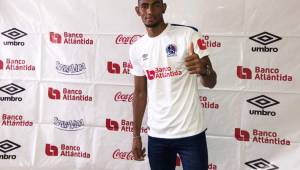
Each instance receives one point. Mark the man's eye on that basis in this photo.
(157, 5)
(144, 6)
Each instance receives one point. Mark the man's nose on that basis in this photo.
(150, 9)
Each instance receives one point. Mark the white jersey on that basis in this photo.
(174, 109)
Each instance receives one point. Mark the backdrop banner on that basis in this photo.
(66, 92)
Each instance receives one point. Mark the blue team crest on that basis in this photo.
(171, 50)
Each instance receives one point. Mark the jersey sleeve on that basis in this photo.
(199, 44)
(137, 69)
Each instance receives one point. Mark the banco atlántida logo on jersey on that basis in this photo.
(265, 39)
(8, 146)
(163, 72)
(11, 90)
(69, 95)
(14, 34)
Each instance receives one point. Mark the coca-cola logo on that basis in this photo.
(122, 155)
(123, 39)
(123, 97)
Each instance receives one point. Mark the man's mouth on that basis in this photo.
(149, 18)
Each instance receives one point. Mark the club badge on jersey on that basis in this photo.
(171, 50)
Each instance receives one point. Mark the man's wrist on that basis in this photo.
(136, 137)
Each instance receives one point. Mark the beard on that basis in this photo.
(152, 25)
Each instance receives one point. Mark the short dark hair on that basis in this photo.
(160, 0)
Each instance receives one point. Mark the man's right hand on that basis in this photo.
(138, 152)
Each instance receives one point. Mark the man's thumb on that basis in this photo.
(191, 49)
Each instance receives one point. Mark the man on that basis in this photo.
(166, 62)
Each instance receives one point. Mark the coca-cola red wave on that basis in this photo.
(127, 39)
(123, 97)
(118, 154)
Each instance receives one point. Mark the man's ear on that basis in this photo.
(164, 7)
(137, 11)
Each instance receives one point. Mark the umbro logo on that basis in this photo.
(7, 146)
(265, 39)
(11, 89)
(14, 33)
(261, 164)
(263, 101)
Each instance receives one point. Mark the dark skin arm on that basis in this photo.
(201, 66)
(139, 106)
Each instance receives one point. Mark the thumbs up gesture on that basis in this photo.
(193, 63)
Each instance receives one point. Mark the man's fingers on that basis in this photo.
(192, 68)
(135, 154)
(144, 152)
(190, 63)
(193, 72)
(189, 58)
(192, 57)
(139, 154)
(191, 49)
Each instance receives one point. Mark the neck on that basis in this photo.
(155, 31)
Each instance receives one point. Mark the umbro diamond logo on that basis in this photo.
(11, 89)
(265, 38)
(14, 33)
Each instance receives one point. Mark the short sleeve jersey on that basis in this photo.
(174, 109)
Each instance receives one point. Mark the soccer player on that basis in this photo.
(166, 63)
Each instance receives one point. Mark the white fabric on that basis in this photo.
(173, 107)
